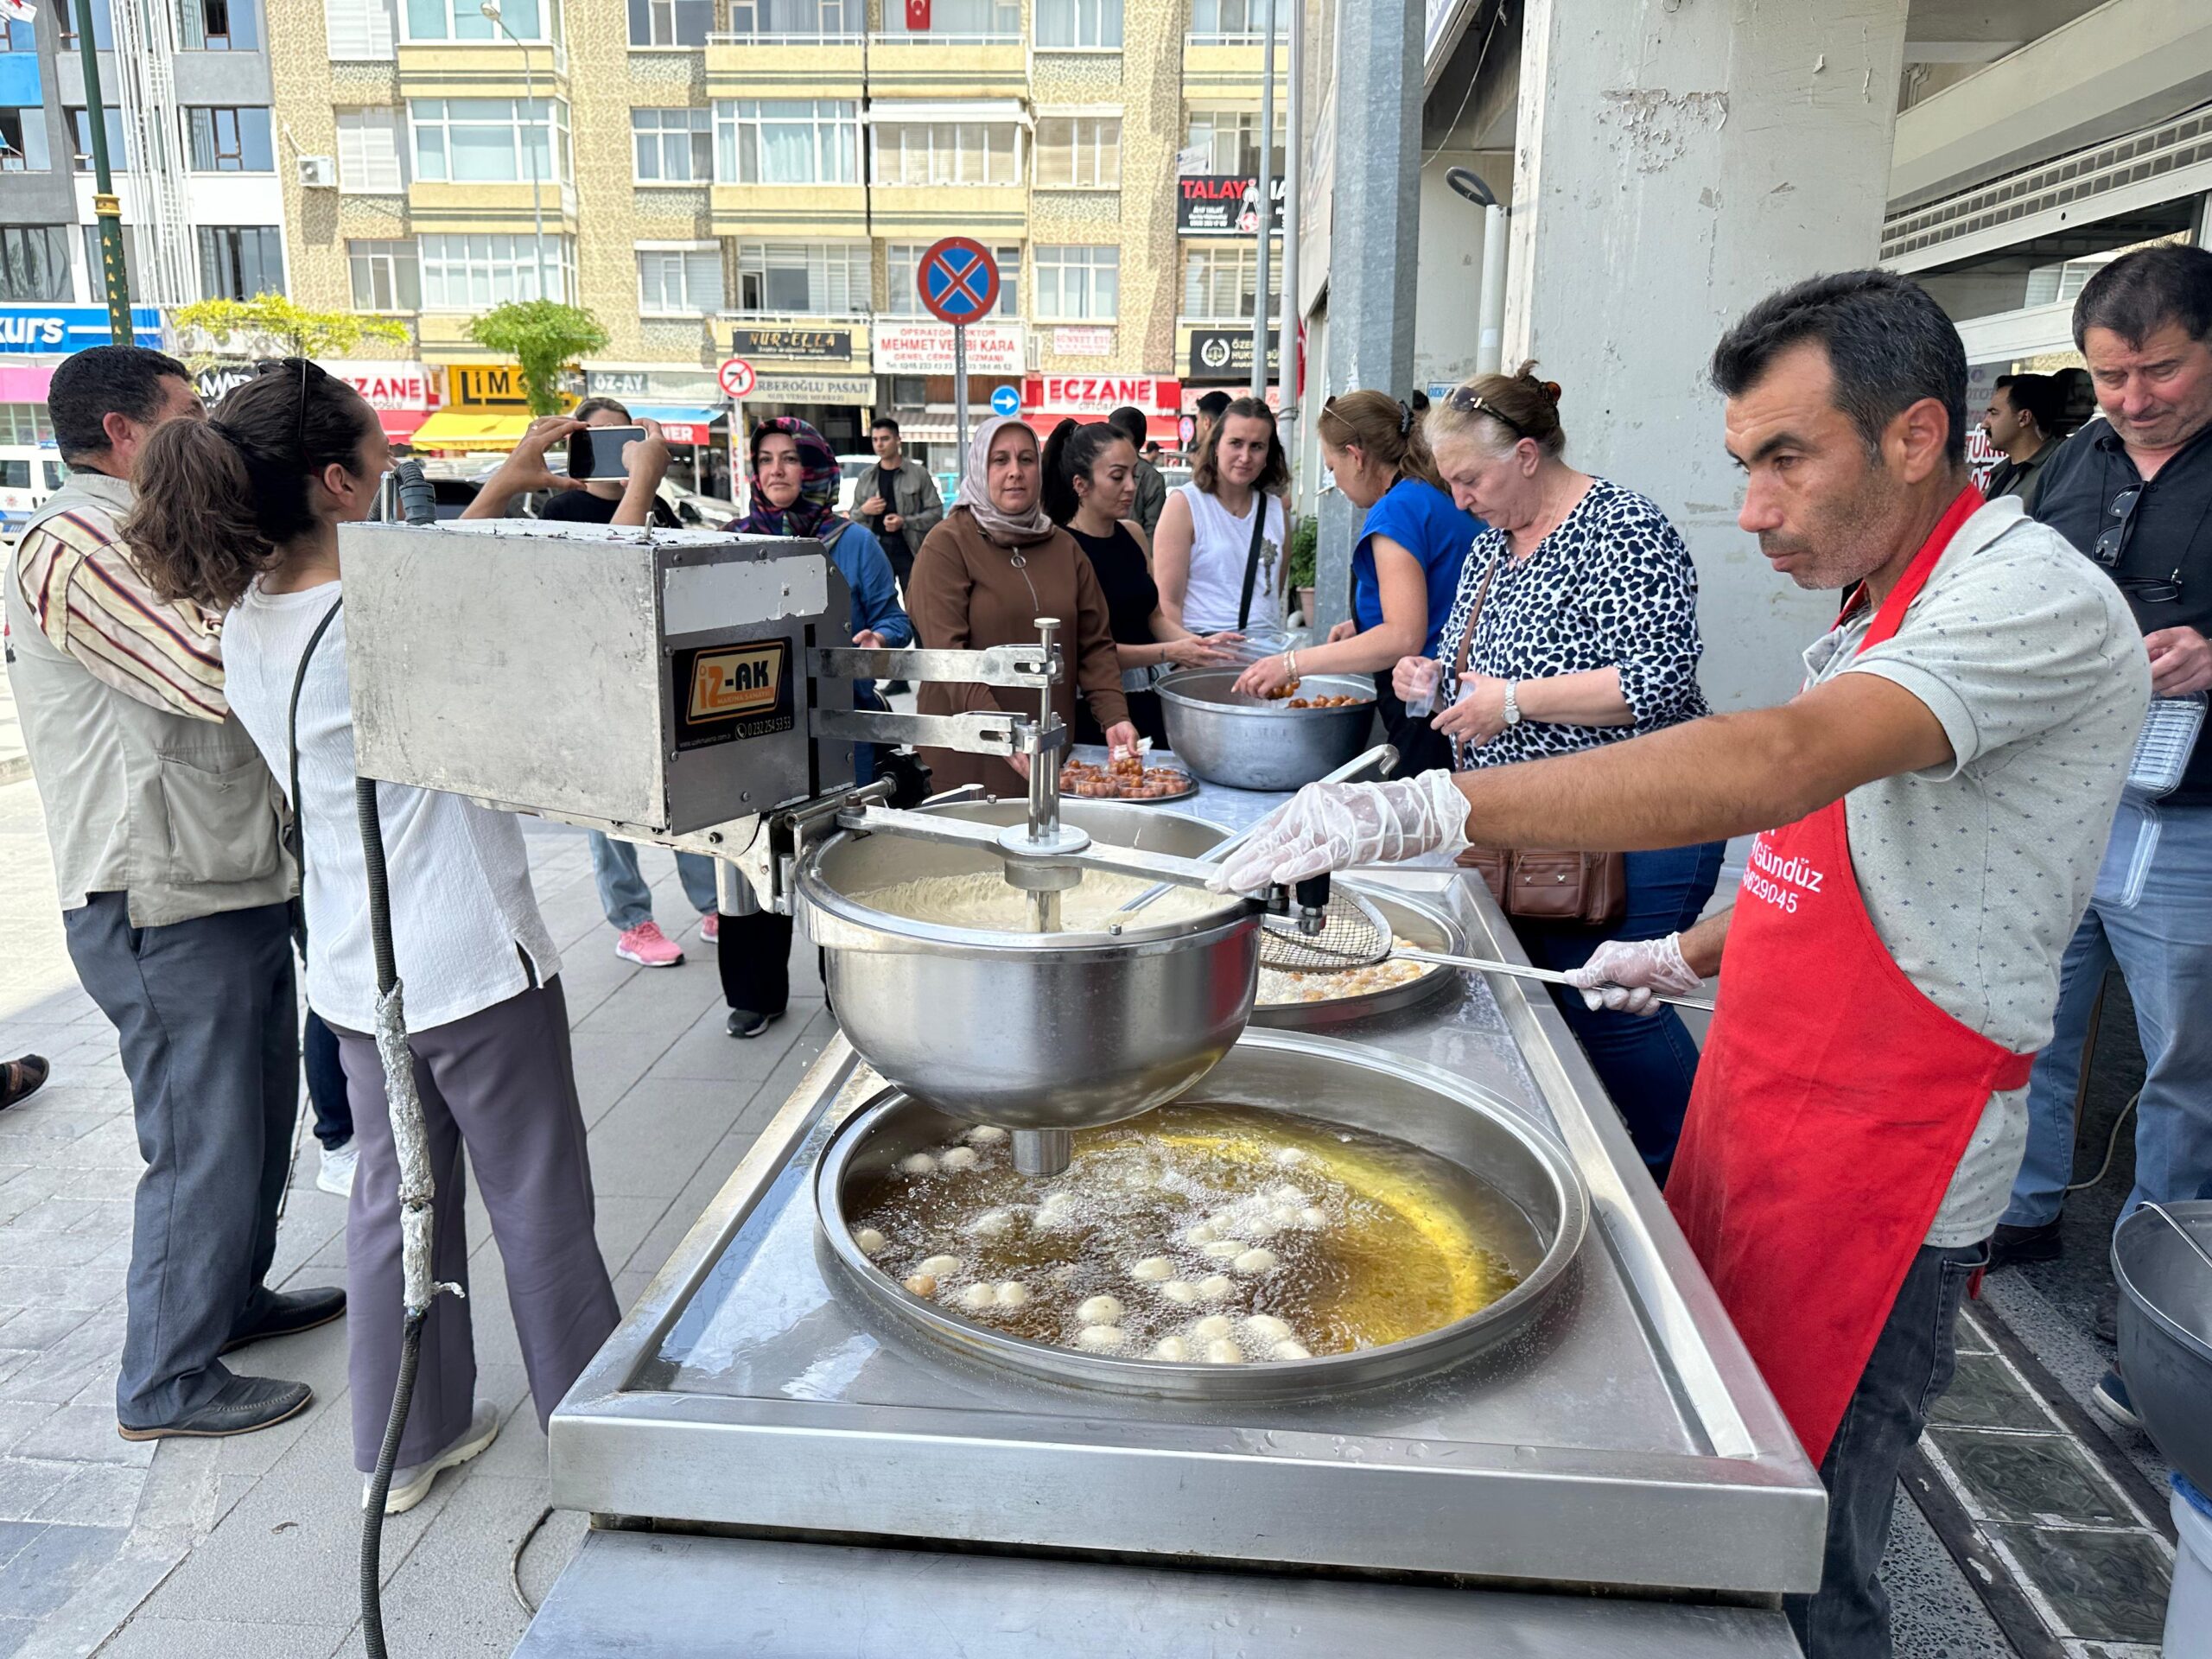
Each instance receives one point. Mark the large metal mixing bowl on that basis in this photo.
(1031, 1031)
(1318, 1079)
(1246, 742)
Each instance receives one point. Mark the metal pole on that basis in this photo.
(736, 437)
(960, 394)
(1259, 387)
(530, 96)
(1490, 337)
(107, 209)
(1288, 389)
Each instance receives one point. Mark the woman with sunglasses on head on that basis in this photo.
(1210, 548)
(1405, 565)
(1089, 472)
(795, 479)
(994, 565)
(1575, 625)
(241, 513)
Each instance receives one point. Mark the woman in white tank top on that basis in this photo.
(1204, 538)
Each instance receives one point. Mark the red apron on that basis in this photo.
(1834, 1101)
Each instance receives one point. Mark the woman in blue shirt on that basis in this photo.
(1405, 567)
(795, 478)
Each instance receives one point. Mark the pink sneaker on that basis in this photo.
(647, 946)
(710, 927)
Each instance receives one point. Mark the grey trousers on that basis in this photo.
(501, 1085)
(209, 1023)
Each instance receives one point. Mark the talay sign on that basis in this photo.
(1100, 394)
(1224, 204)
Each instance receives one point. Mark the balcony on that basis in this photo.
(479, 68)
(1225, 68)
(437, 205)
(811, 213)
(948, 66)
(826, 64)
(922, 213)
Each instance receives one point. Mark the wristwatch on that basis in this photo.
(1512, 702)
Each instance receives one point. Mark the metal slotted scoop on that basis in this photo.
(1331, 930)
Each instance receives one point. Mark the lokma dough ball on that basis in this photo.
(1202, 1235)
(1214, 1287)
(1224, 1250)
(1171, 1348)
(1058, 1201)
(1291, 1157)
(870, 1241)
(1211, 1328)
(1100, 1310)
(959, 1158)
(1224, 1352)
(1254, 1260)
(1290, 1348)
(1152, 1269)
(1265, 1327)
(1012, 1293)
(919, 1163)
(992, 1223)
(977, 1296)
(985, 1134)
(1179, 1290)
(1313, 1216)
(940, 1266)
(1100, 1338)
(921, 1284)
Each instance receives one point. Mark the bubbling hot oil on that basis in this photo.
(1198, 1232)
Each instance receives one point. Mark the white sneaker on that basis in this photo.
(411, 1486)
(336, 1175)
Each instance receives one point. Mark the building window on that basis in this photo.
(462, 20)
(806, 279)
(967, 21)
(474, 273)
(1063, 24)
(230, 141)
(491, 140)
(65, 19)
(1231, 21)
(123, 156)
(23, 140)
(681, 281)
(368, 153)
(1079, 152)
(359, 30)
(387, 275)
(219, 26)
(18, 35)
(1218, 279)
(673, 146)
(1078, 284)
(671, 22)
(902, 263)
(800, 20)
(34, 261)
(947, 152)
(1229, 142)
(237, 261)
(787, 141)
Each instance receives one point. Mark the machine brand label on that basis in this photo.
(727, 692)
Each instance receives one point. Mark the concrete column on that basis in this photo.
(1376, 214)
(1672, 167)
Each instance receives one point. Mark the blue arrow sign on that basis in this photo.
(1006, 401)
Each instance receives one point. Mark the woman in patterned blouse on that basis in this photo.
(1587, 634)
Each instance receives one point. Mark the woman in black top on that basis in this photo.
(594, 501)
(1089, 484)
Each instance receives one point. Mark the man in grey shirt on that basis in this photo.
(1931, 810)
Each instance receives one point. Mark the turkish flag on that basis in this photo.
(918, 17)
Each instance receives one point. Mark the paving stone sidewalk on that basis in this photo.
(246, 1547)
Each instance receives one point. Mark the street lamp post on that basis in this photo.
(107, 209)
(490, 10)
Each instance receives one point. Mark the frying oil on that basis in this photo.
(1197, 1226)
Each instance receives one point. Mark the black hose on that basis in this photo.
(365, 810)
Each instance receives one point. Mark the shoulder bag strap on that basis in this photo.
(298, 836)
(1252, 559)
(1475, 615)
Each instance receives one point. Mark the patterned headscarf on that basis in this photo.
(816, 503)
(1024, 530)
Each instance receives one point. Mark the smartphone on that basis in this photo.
(596, 452)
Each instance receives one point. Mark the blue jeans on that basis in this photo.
(2163, 945)
(1647, 1062)
(333, 1116)
(623, 894)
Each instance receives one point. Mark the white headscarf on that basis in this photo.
(1005, 529)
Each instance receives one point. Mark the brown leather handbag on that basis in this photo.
(1543, 885)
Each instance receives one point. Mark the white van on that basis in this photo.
(28, 473)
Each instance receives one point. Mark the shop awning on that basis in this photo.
(400, 425)
(682, 423)
(470, 429)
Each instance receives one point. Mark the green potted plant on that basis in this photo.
(1304, 544)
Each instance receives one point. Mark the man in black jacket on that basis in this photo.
(896, 500)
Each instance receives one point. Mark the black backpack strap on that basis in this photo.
(297, 839)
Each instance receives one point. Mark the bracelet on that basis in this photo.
(1290, 664)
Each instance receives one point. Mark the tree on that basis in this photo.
(544, 337)
(271, 319)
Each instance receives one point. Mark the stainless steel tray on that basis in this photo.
(1425, 924)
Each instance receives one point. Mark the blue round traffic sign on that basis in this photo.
(958, 280)
(1006, 401)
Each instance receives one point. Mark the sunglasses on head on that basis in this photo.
(1468, 401)
(308, 371)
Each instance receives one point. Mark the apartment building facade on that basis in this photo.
(757, 178)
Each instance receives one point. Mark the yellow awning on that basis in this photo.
(470, 429)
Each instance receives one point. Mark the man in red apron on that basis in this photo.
(1929, 811)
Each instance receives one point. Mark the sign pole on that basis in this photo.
(958, 282)
(1259, 330)
(107, 209)
(736, 424)
(960, 393)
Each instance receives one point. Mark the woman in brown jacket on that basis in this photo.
(991, 568)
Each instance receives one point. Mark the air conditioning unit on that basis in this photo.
(319, 172)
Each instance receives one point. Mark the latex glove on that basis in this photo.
(1627, 975)
(1336, 826)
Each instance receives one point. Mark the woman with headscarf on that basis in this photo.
(795, 478)
(994, 565)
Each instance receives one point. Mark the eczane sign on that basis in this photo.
(1100, 394)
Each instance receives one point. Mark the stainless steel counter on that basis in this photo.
(1624, 1442)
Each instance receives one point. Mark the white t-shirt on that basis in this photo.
(1976, 874)
(1220, 544)
(463, 916)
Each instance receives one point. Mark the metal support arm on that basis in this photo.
(1021, 666)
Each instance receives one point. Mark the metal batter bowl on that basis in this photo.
(1031, 1031)
(1320, 1080)
(1244, 742)
(1409, 918)
(2165, 1331)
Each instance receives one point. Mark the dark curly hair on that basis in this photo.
(218, 500)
